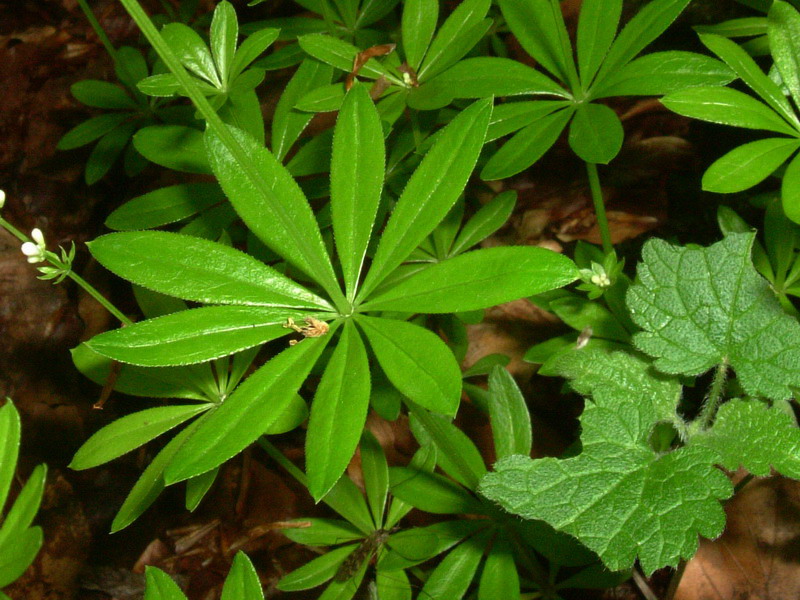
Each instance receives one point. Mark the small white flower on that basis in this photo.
(2, 198)
(35, 251)
(601, 280)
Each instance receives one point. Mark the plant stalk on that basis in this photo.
(599, 207)
(104, 302)
(709, 409)
(99, 31)
(641, 582)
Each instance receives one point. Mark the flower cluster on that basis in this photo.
(36, 251)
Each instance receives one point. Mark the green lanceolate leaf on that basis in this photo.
(90, 130)
(198, 270)
(431, 492)
(376, 476)
(453, 576)
(317, 571)
(15, 559)
(790, 190)
(272, 205)
(338, 54)
(456, 454)
(164, 206)
(491, 217)
(102, 94)
(106, 152)
(726, 107)
(431, 192)
(17, 522)
(193, 336)
(527, 146)
(646, 26)
(511, 422)
(597, 27)
(323, 532)
(702, 307)
(160, 586)
(193, 53)
(173, 146)
(130, 432)
(9, 447)
(513, 116)
(356, 181)
(753, 435)
(595, 133)
(198, 487)
(484, 76)
(783, 31)
(338, 413)
(242, 581)
(419, 23)
(536, 25)
(750, 73)
(618, 484)
(664, 72)
(500, 578)
(151, 482)
(248, 412)
(287, 123)
(416, 361)
(167, 382)
(251, 49)
(224, 35)
(478, 279)
(458, 34)
(748, 165)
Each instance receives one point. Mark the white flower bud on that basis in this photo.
(38, 236)
(2, 199)
(601, 280)
(34, 252)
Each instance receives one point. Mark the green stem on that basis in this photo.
(599, 207)
(281, 459)
(213, 121)
(714, 396)
(644, 587)
(112, 52)
(104, 302)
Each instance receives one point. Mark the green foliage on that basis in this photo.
(253, 303)
(113, 131)
(620, 497)
(704, 307)
(463, 541)
(776, 259)
(358, 243)
(19, 541)
(644, 484)
(751, 163)
(220, 72)
(606, 66)
(427, 52)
